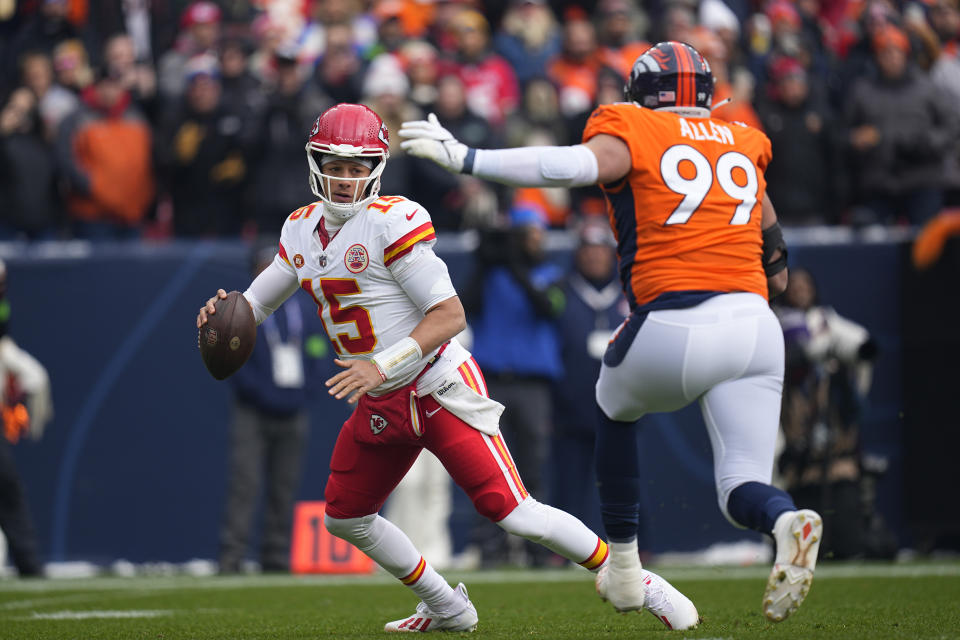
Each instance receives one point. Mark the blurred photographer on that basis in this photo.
(829, 365)
(26, 409)
(513, 304)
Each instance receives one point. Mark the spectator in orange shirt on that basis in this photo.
(105, 151)
(621, 34)
(574, 71)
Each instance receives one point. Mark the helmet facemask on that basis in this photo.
(366, 188)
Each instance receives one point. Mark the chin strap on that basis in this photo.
(721, 103)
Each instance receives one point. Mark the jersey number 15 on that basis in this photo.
(333, 289)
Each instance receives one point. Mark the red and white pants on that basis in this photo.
(362, 475)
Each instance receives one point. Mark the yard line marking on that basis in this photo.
(33, 603)
(88, 615)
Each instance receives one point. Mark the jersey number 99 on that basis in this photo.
(695, 189)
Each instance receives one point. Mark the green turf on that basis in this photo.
(847, 601)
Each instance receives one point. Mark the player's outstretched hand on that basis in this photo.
(358, 377)
(209, 307)
(428, 139)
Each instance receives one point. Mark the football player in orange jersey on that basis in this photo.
(699, 251)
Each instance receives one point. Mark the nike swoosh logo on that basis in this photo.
(410, 215)
(430, 413)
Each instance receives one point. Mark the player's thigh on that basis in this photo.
(480, 464)
(363, 475)
(650, 375)
(742, 413)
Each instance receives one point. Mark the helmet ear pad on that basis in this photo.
(670, 74)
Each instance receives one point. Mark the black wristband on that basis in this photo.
(468, 161)
(772, 241)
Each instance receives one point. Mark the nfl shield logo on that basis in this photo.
(323, 260)
(377, 424)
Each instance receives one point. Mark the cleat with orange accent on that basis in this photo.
(798, 535)
(424, 620)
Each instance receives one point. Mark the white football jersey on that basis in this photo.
(353, 279)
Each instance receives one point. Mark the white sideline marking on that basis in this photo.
(577, 574)
(88, 615)
(33, 603)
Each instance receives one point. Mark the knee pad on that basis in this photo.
(492, 505)
(530, 520)
(354, 530)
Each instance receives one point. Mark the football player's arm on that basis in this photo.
(265, 294)
(774, 249)
(603, 158)
(425, 279)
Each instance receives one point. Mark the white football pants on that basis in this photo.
(726, 352)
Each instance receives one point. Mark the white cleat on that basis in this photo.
(624, 588)
(798, 535)
(667, 604)
(660, 598)
(425, 620)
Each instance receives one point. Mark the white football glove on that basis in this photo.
(428, 139)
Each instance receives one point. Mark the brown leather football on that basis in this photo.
(228, 337)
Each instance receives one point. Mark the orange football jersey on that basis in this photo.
(687, 217)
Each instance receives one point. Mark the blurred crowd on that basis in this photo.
(161, 118)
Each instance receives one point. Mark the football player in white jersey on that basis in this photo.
(391, 313)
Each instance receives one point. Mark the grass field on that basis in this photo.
(847, 601)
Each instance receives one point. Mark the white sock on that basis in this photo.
(434, 590)
(624, 555)
(390, 547)
(558, 531)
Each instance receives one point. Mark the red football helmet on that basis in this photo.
(349, 132)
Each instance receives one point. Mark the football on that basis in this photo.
(228, 337)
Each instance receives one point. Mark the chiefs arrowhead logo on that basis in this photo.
(377, 424)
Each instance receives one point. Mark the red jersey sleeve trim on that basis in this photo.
(405, 244)
(283, 254)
